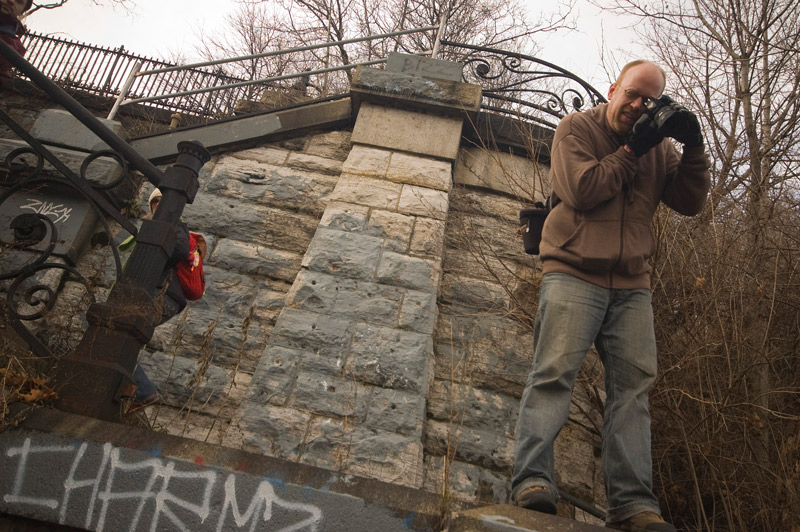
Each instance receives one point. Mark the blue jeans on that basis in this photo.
(145, 389)
(572, 315)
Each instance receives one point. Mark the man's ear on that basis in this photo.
(611, 89)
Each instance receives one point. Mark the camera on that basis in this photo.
(671, 119)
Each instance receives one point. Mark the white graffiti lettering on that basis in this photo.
(59, 212)
(158, 489)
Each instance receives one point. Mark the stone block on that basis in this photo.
(423, 202)
(367, 161)
(328, 395)
(332, 145)
(421, 171)
(250, 259)
(428, 237)
(345, 216)
(467, 482)
(309, 331)
(377, 193)
(391, 358)
(394, 411)
(385, 456)
(418, 311)
(262, 154)
(408, 272)
(503, 172)
(408, 131)
(485, 448)
(58, 126)
(394, 228)
(478, 408)
(272, 430)
(314, 163)
(427, 67)
(274, 376)
(339, 253)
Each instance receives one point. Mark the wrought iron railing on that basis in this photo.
(523, 86)
(89, 377)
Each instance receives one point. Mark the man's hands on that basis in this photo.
(682, 126)
(664, 117)
(643, 136)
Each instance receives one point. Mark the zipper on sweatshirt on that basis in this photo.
(625, 192)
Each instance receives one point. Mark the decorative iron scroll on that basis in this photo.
(30, 267)
(524, 86)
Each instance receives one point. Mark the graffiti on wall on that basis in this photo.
(58, 212)
(105, 491)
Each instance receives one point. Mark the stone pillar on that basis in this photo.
(344, 379)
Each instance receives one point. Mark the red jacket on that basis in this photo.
(601, 230)
(10, 30)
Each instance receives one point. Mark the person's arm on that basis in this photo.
(182, 248)
(579, 177)
(688, 180)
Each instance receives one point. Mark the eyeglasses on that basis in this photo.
(633, 95)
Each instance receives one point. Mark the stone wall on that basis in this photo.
(368, 309)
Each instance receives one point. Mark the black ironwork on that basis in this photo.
(506, 77)
(89, 377)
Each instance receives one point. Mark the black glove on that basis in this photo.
(689, 134)
(676, 121)
(643, 136)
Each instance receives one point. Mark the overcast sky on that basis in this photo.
(162, 28)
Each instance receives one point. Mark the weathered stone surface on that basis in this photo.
(262, 154)
(366, 191)
(394, 411)
(479, 408)
(408, 272)
(422, 133)
(367, 161)
(181, 379)
(385, 456)
(273, 430)
(423, 202)
(391, 358)
(255, 260)
(487, 351)
(331, 145)
(486, 448)
(274, 377)
(395, 228)
(418, 311)
(282, 187)
(337, 253)
(246, 222)
(345, 216)
(357, 300)
(421, 171)
(314, 163)
(328, 395)
(428, 237)
(503, 172)
(466, 481)
(424, 66)
(60, 127)
(309, 331)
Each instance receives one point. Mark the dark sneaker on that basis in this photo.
(537, 498)
(643, 522)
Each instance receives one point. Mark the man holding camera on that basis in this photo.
(611, 166)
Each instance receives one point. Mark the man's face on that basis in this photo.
(626, 97)
(14, 8)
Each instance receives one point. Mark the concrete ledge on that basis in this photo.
(441, 96)
(507, 518)
(247, 131)
(91, 474)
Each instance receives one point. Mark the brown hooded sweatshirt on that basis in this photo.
(601, 229)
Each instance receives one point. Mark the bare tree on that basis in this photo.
(53, 4)
(728, 422)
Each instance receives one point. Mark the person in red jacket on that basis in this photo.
(10, 31)
(610, 169)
